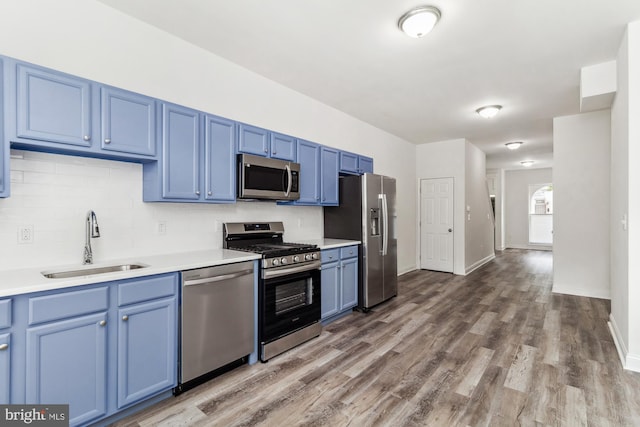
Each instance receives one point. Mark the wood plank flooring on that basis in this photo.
(494, 348)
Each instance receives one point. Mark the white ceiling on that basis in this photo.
(523, 54)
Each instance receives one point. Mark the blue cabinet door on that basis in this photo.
(330, 296)
(53, 107)
(329, 176)
(181, 153)
(147, 350)
(349, 283)
(66, 363)
(219, 157)
(5, 369)
(128, 122)
(365, 164)
(348, 162)
(282, 147)
(309, 159)
(253, 140)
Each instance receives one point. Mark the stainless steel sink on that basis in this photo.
(65, 274)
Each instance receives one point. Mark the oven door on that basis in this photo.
(289, 301)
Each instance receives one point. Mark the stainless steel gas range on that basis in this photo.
(288, 288)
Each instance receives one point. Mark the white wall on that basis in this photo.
(446, 159)
(479, 219)
(581, 187)
(516, 205)
(91, 40)
(465, 163)
(625, 201)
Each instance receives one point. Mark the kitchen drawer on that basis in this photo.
(67, 304)
(5, 313)
(147, 288)
(330, 255)
(349, 252)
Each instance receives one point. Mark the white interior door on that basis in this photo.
(436, 224)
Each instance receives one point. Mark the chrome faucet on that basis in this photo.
(92, 231)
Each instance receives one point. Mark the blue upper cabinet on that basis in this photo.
(318, 174)
(60, 113)
(128, 122)
(329, 176)
(53, 107)
(197, 160)
(309, 159)
(282, 147)
(261, 142)
(219, 159)
(253, 140)
(181, 153)
(355, 164)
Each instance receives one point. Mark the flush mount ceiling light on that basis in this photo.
(489, 111)
(527, 163)
(419, 21)
(513, 145)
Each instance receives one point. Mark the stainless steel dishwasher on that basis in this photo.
(217, 320)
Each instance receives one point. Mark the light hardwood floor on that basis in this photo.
(494, 348)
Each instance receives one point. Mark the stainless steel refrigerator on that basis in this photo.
(367, 212)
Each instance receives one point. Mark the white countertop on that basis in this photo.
(15, 282)
(331, 243)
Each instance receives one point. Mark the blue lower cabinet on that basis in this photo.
(330, 296)
(147, 350)
(66, 362)
(99, 348)
(339, 281)
(5, 369)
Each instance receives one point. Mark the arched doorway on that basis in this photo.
(541, 214)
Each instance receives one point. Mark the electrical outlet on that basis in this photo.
(25, 234)
(162, 228)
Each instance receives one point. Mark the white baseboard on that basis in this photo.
(630, 362)
(569, 290)
(530, 247)
(478, 264)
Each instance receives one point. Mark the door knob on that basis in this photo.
(450, 230)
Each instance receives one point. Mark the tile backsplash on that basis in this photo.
(52, 194)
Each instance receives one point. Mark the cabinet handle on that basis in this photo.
(330, 257)
(86, 137)
(197, 193)
(107, 141)
(266, 151)
(209, 193)
(4, 346)
(125, 317)
(102, 322)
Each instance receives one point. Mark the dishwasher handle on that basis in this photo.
(213, 279)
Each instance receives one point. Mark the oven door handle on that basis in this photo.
(273, 273)
(213, 279)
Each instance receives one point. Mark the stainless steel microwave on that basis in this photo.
(264, 178)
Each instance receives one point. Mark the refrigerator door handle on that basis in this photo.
(385, 223)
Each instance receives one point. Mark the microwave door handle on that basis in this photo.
(289, 178)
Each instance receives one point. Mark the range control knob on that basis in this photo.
(314, 255)
(283, 261)
(275, 261)
(296, 258)
(307, 257)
